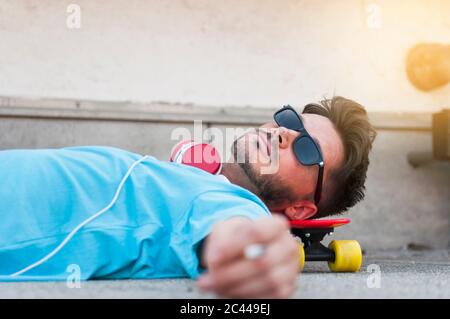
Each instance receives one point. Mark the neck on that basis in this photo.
(235, 175)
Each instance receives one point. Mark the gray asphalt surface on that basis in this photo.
(403, 274)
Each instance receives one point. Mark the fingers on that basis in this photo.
(272, 275)
(229, 239)
(235, 273)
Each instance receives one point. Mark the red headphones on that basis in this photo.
(200, 155)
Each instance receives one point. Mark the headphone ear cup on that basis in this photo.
(200, 155)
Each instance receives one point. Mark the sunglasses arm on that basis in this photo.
(319, 184)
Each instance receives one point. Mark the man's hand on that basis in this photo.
(231, 274)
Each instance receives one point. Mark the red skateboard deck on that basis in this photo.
(319, 223)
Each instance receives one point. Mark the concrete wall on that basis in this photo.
(404, 206)
(218, 53)
(176, 55)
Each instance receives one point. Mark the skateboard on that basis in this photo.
(341, 255)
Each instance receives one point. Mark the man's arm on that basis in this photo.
(231, 274)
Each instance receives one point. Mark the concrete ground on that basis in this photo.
(403, 274)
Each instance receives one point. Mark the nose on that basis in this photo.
(286, 137)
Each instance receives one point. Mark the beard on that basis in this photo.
(268, 187)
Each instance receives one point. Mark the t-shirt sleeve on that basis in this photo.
(205, 211)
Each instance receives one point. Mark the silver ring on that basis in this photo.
(254, 251)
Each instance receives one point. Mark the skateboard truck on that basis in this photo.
(341, 255)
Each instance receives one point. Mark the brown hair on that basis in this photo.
(346, 185)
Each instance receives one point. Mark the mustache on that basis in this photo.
(260, 131)
(255, 131)
(266, 133)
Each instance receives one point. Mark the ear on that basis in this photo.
(300, 210)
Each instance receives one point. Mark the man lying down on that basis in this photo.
(116, 214)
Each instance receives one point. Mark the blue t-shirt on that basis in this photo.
(153, 229)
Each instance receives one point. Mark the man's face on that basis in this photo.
(291, 177)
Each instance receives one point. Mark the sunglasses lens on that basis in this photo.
(289, 119)
(306, 151)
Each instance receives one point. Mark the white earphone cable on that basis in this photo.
(82, 224)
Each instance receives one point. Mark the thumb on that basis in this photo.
(229, 240)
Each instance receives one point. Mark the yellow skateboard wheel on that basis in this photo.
(301, 262)
(348, 256)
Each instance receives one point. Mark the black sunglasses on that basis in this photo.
(305, 148)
